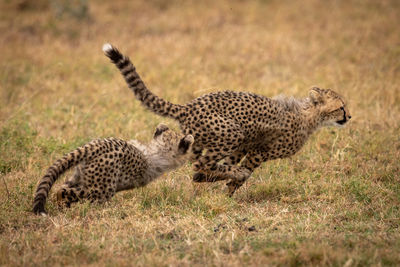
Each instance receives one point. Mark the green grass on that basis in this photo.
(335, 203)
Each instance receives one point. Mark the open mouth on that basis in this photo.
(341, 122)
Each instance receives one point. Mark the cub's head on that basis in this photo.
(172, 146)
(332, 107)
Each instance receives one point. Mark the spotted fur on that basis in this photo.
(106, 166)
(238, 127)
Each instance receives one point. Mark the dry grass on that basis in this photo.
(335, 203)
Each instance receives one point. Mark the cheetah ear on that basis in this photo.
(185, 144)
(160, 129)
(316, 96)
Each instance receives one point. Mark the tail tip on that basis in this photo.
(107, 47)
(38, 209)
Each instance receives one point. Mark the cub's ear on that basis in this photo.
(316, 96)
(160, 129)
(185, 144)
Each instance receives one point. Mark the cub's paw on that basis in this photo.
(61, 195)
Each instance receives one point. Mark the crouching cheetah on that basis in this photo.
(106, 166)
(232, 127)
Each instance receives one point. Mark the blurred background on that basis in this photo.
(52, 60)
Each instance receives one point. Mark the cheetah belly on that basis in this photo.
(282, 147)
(131, 180)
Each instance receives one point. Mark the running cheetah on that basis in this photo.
(106, 166)
(233, 127)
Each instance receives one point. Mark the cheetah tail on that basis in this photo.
(135, 83)
(56, 170)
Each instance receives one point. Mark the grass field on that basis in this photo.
(337, 202)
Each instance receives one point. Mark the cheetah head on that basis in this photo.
(332, 107)
(172, 144)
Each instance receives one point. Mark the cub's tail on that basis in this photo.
(68, 161)
(135, 83)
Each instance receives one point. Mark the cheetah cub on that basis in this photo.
(106, 166)
(239, 127)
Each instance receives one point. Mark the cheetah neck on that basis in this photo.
(292, 104)
(157, 161)
(303, 108)
(311, 118)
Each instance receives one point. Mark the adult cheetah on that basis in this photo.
(106, 166)
(229, 126)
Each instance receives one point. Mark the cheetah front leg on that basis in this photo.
(71, 190)
(208, 169)
(250, 163)
(233, 159)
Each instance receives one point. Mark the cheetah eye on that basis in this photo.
(342, 108)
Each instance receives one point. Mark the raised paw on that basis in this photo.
(62, 200)
(61, 195)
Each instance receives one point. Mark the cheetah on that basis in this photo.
(107, 166)
(238, 127)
